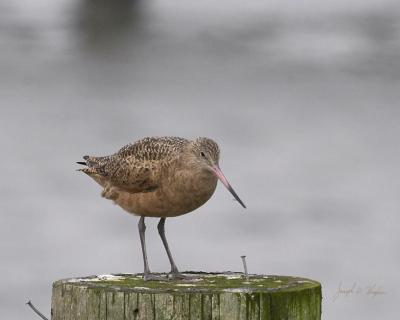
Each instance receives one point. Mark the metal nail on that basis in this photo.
(245, 267)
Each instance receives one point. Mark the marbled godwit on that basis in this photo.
(159, 177)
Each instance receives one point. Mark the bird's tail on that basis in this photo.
(94, 165)
(94, 168)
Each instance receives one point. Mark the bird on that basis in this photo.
(159, 177)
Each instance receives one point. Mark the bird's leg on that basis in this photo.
(147, 275)
(175, 274)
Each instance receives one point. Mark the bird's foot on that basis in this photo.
(153, 277)
(178, 276)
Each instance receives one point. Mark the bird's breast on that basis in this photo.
(177, 194)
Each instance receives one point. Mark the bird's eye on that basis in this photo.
(202, 154)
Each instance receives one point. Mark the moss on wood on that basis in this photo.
(216, 296)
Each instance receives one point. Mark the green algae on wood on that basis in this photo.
(207, 296)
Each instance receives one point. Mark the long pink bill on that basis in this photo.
(217, 171)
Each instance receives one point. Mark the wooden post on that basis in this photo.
(209, 296)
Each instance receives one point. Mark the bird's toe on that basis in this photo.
(179, 276)
(153, 277)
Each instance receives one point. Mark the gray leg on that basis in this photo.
(174, 269)
(147, 274)
(142, 230)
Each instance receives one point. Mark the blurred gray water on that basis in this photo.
(303, 100)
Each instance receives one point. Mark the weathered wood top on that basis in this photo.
(201, 282)
(207, 296)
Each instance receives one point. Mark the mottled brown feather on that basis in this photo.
(135, 167)
(157, 176)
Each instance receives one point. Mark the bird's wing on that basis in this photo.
(153, 148)
(136, 167)
(132, 175)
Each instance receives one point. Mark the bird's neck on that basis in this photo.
(196, 180)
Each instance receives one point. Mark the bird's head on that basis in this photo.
(205, 152)
(205, 156)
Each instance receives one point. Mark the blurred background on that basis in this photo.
(301, 96)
